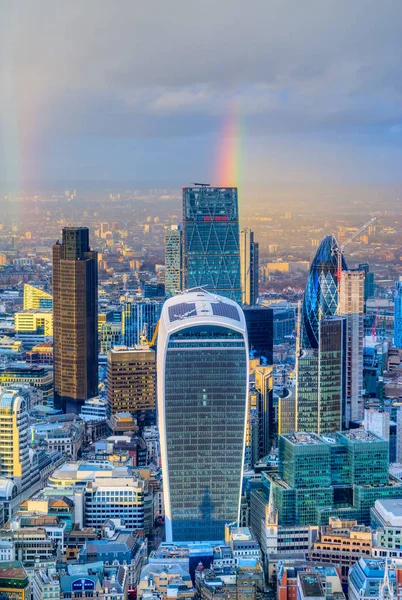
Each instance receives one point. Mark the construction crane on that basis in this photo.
(143, 337)
(339, 249)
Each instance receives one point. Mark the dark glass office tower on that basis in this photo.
(75, 319)
(369, 284)
(211, 248)
(260, 332)
(202, 367)
(321, 377)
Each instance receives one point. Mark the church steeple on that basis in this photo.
(271, 515)
(386, 591)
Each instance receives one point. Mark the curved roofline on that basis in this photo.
(202, 298)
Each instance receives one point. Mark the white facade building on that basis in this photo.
(351, 305)
(377, 422)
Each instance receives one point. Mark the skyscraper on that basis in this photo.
(321, 295)
(369, 284)
(173, 260)
(351, 305)
(75, 315)
(202, 366)
(139, 316)
(259, 321)
(398, 314)
(321, 380)
(248, 267)
(14, 449)
(211, 253)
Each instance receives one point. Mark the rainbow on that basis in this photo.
(228, 154)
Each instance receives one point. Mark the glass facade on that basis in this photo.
(75, 320)
(340, 474)
(332, 374)
(260, 332)
(205, 402)
(173, 260)
(140, 316)
(211, 248)
(321, 293)
(369, 284)
(398, 314)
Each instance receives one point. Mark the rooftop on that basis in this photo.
(361, 436)
(14, 570)
(303, 439)
(311, 585)
(201, 304)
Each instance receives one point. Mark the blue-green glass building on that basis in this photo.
(398, 314)
(335, 475)
(321, 293)
(211, 242)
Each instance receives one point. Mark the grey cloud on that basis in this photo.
(136, 68)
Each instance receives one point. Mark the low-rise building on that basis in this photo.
(342, 543)
(114, 498)
(14, 581)
(386, 521)
(371, 578)
(122, 423)
(7, 551)
(31, 544)
(298, 579)
(45, 583)
(22, 373)
(158, 578)
(126, 549)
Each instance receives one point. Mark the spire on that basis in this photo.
(271, 515)
(386, 591)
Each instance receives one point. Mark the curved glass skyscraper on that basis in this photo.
(202, 409)
(321, 290)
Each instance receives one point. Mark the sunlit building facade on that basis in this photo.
(249, 267)
(75, 319)
(351, 305)
(202, 364)
(35, 298)
(211, 248)
(14, 449)
(139, 317)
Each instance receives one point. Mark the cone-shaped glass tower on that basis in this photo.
(321, 290)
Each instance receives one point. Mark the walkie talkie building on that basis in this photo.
(202, 409)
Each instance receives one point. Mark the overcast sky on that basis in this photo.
(143, 90)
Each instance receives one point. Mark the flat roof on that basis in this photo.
(311, 584)
(303, 439)
(12, 570)
(361, 436)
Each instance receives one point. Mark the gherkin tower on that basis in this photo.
(321, 293)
